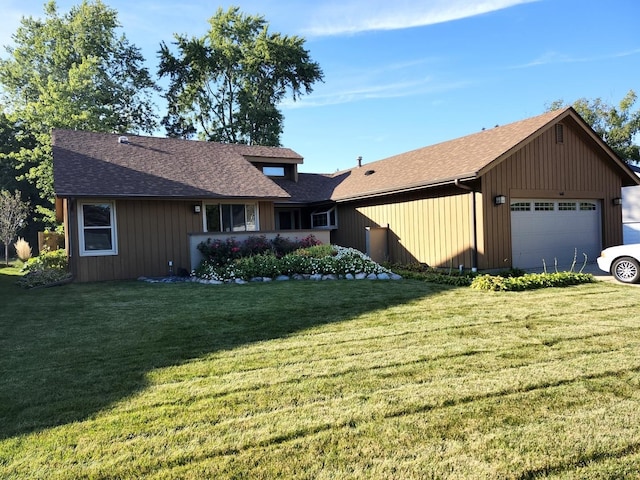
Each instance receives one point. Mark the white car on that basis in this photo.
(622, 261)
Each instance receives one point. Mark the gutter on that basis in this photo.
(474, 221)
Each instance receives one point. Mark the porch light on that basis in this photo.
(617, 201)
(196, 209)
(500, 199)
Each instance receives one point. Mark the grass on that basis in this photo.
(360, 379)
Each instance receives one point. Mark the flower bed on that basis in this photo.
(311, 262)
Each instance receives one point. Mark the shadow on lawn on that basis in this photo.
(68, 352)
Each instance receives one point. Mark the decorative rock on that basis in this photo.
(281, 278)
(372, 276)
(316, 277)
(383, 276)
(266, 279)
(395, 276)
(330, 276)
(240, 281)
(256, 279)
(297, 276)
(349, 276)
(214, 282)
(361, 276)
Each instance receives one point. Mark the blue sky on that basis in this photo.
(405, 74)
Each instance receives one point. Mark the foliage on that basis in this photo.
(71, 71)
(218, 252)
(226, 85)
(50, 267)
(314, 260)
(530, 281)
(618, 125)
(23, 249)
(13, 213)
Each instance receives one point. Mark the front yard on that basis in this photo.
(341, 379)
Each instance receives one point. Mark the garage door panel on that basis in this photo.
(554, 231)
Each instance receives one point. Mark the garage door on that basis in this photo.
(554, 229)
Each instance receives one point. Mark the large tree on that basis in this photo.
(72, 71)
(617, 125)
(226, 85)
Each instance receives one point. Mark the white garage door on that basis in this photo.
(553, 230)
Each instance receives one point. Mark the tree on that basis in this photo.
(617, 126)
(71, 71)
(13, 213)
(226, 85)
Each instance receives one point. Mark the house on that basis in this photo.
(539, 191)
(544, 189)
(135, 205)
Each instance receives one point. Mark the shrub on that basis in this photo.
(23, 249)
(530, 281)
(48, 259)
(48, 268)
(220, 252)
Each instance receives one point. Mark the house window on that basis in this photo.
(97, 228)
(324, 218)
(588, 206)
(226, 217)
(273, 171)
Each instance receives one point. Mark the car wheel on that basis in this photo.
(626, 269)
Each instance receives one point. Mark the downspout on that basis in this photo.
(474, 222)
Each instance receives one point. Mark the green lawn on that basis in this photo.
(318, 380)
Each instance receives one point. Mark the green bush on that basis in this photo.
(53, 259)
(48, 268)
(530, 281)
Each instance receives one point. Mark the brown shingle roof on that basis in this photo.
(96, 164)
(462, 158)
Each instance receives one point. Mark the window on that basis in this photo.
(543, 206)
(324, 218)
(273, 171)
(226, 217)
(520, 206)
(97, 227)
(588, 206)
(567, 206)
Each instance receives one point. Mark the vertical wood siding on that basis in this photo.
(150, 233)
(545, 169)
(266, 216)
(437, 231)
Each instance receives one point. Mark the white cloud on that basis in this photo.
(337, 17)
(555, 58)
(358, 93)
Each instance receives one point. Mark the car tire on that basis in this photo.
(626, 270)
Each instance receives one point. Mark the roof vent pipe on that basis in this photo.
(359, 162)
(123, 139)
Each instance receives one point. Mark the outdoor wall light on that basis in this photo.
(500, 199)
(196, 209)
(617, 201)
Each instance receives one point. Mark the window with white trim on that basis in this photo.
(97, 228)
(231, 217)
(324, 218)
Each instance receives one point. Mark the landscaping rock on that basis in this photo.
(349, 276)
(361, 276)
(372, 276)
(282, 278)
(315, 277)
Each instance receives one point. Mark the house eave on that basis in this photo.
(408, 188)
